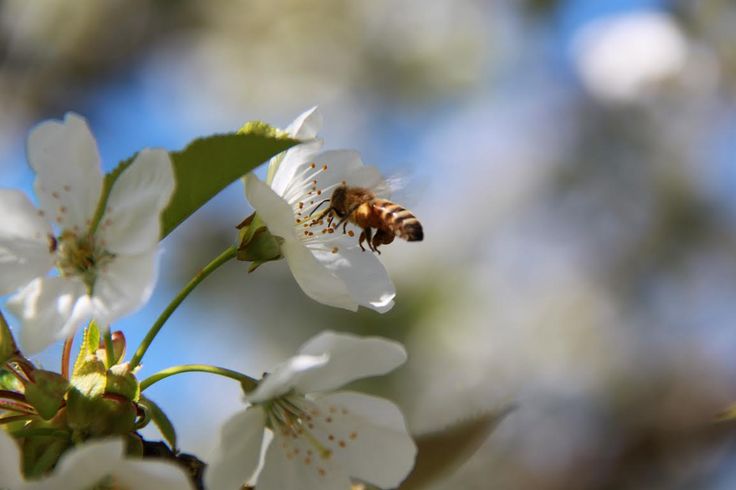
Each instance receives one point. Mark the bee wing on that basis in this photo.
(403, 187)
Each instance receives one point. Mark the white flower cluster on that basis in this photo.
(90, 253)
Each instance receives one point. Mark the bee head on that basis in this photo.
(337, 201)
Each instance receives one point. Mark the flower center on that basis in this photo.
(286, 417)
(305, 195)
(79, 256)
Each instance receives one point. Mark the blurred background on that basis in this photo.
(576, 174)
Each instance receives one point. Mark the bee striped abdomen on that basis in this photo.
(400, 221)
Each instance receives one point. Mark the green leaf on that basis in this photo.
(207, 165)
(443, 451)
(46, 392)
(162, 421)
(7, 343)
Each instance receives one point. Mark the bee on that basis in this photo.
(361, 207)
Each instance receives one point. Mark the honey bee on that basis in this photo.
(361, 207)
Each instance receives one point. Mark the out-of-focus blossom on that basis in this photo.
(328, 265)
(98, 464)
(620, 57)
(103, 273)
(320, 439)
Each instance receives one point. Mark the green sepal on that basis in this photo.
(256, 243)
(46, 392)
(41, 452)
(88, 349)
(120, 381)
(8, 348)
(8, 381)
(161, 420)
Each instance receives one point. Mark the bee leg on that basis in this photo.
(382, 238)
(369, 238)
(344, 226)
(361, 240)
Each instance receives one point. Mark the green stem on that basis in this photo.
(109, 348)
(247, 382)
(225, 256)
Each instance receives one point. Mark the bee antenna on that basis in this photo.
(319, 206)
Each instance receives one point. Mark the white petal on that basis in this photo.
(274, 211)
(285, 469)
(68, 176)
(382, 451)
(340, 164)
(24, 242)
(351, 357)
(285, 376)
(239, 451)
(306, 125)
(282, 168)
(315, 279)
(362, 274)
(150, 474)
(50, 309)
(10, 475)
(132, 221)
(124, 285)
(84, 466)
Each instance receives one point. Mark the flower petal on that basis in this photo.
(315, 279)
(24, 242)
(239, 451)
(132, 221)
(288, 465)
(331, 168)
(362, 274)
(10, 475)
(304, 127)
(150, 474)
(378, 447)
(274, 211)
(84, 466)
(351, 357)
(124, 285)
(284, 377)
(68, 176)
(51, 309)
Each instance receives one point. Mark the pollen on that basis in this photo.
(330, 230)
(330, 437)
(307, 460)
(301, 205)
(314, 182)
(324, 167)
(351, 233)
(321, 471)
(55, 195)
(67, 187)
(334, 250)
(62, 209)
(319, 192)
(341, 444)
(353, 435)
(41, 213)
(312, 165)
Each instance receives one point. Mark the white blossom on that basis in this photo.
(95, 464)
(102, 274)
(327, 264)
(318, 439)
